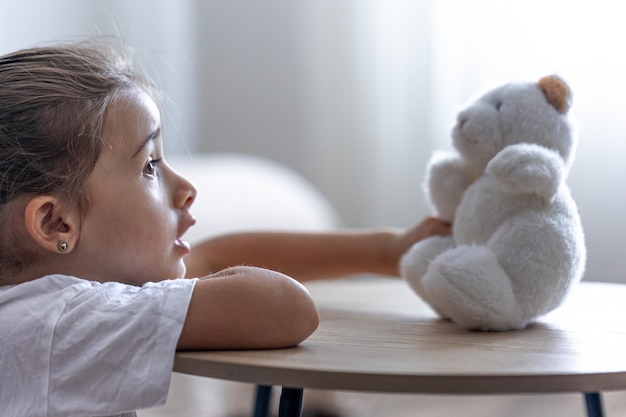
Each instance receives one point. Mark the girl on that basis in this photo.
(93, 299)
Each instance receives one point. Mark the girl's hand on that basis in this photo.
(403, 241)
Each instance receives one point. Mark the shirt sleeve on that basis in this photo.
(113, 347)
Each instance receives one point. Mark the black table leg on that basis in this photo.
(594, 404)
(262, 401)
(290, 402)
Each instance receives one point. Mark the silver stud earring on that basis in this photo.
(63, 246)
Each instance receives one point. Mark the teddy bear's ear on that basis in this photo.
(557, 92)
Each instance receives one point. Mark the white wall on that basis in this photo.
(311, 85)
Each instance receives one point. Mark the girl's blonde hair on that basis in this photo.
(53, 100)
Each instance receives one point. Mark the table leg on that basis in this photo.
(262, 401)
(290, 402)
(594, 404)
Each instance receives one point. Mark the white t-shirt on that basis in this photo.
(70, 347)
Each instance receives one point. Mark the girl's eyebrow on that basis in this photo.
(150, 137)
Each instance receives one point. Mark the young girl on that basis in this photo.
(93, 299)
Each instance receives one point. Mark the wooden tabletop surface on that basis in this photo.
(376, 335)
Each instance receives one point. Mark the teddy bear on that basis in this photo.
(517, 243)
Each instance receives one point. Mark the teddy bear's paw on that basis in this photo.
(414, 263)
(447, 178)
(470, 287)
(528, 168)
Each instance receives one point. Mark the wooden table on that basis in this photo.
(376, 335)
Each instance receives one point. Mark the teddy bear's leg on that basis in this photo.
(414, 264)
(470, 286)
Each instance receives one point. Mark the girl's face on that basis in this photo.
(139, 206)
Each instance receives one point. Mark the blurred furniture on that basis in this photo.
(376, 336)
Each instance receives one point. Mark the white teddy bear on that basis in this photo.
(517, 245)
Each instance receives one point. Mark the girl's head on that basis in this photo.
(67, 111)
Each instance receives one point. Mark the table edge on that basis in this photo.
(414, 384)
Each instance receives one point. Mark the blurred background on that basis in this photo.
(355, 95)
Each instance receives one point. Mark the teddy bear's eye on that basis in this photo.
(498, 105)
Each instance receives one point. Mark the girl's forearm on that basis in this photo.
(309, 255)
(303, 256)
(248, 308)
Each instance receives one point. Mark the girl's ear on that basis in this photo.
(50, 223)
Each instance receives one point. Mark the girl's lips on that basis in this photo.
(183, 245)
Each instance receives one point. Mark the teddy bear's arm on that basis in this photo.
(448, 176)
(528, 168)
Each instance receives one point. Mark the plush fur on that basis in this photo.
(517, 245)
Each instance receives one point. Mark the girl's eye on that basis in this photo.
(150, 168)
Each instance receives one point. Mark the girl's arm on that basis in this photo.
(248, 308)
(245, 307)
(307, 256)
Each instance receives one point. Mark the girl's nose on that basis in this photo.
(185, 193)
